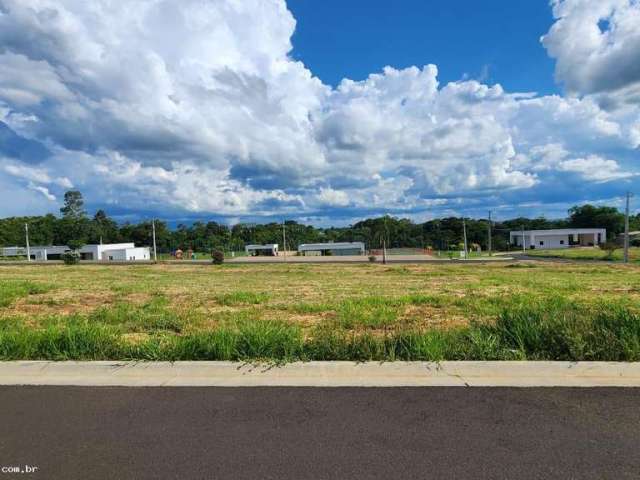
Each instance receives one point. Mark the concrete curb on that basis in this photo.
(322, 374)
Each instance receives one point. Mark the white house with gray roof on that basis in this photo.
(558, 238)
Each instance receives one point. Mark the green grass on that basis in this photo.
(150, 317)
(550, 330)
(281, 312)
(242, 298)
(10, 290)
(586, 253)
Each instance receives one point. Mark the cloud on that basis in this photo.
(332, 198)
(595, 168)
(197, 106)
(43, 190)
(36, 174)
(596, 44)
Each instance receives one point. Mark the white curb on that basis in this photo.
(322, 374)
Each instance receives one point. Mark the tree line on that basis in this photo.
(74, 227)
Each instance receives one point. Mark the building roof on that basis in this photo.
(559, 231)
(266, 246)
(331, 246)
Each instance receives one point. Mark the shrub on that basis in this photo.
(217, 257)
(610, 248)
(372, 258)
(71, 258)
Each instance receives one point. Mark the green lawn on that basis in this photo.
(314, 311)
(586, 253)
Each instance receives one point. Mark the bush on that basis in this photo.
(71, 258)
(372, 258)
(217, 257)
(610, 248)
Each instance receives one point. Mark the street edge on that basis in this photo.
(321, 374)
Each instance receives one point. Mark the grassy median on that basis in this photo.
(321, 312)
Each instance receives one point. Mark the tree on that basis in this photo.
(103, 228)
(73, 205)
(73, 227)
(590, 216)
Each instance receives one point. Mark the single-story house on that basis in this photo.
(121, 252)
(337, 248)
(267, 250)
(558, 238)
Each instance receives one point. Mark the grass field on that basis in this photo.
(321, 312)
(586, 253)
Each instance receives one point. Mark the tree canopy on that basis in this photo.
(75, 227)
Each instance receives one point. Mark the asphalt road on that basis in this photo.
(314, 433)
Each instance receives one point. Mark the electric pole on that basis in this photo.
(626, 229)
(153, 229)
(26, 234)
(384, 241)
(384, 251)
(524, 249)
(489, 243)
(284, 241)
(464, 233)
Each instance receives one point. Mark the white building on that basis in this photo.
(269, 250)
(558, 238)
(117, 252)
(337, 248)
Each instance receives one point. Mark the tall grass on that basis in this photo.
(150, 317)
(11, 290)
(555, 329)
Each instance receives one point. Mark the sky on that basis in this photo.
(323, 112)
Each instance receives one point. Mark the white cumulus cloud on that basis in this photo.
(597, 46)
(198, 106)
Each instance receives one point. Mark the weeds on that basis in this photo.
(552, 330)
(11, 290)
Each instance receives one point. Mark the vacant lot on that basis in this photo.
(586, 253)
(520, 310)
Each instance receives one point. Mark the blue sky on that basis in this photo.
(321, 111)
(496, 41)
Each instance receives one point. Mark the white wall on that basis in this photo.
(126, 254)
(551, 241)
(140, 253)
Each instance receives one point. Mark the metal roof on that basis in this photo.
(331, 246)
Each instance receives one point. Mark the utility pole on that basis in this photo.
(464, 232)
(153, 229)
(284, 241)
(524, 249)
(26, 234)
(384, 241)
(489, 242)
(384, 251)
(626, 229)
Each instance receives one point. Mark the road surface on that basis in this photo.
(320, 433)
